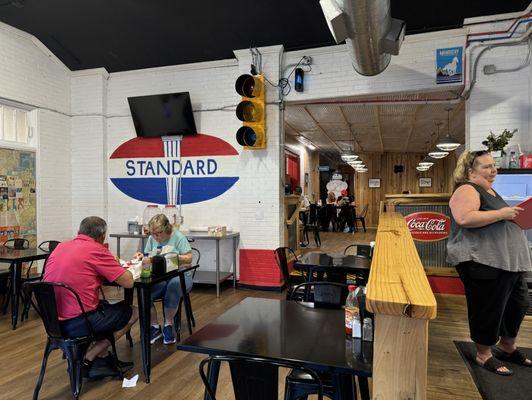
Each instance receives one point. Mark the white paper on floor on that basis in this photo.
(130, 382)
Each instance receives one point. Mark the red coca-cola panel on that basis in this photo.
(428, 226)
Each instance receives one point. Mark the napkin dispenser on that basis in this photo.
(158, 265)
(133, 227)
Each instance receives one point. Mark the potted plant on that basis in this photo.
(497, 143)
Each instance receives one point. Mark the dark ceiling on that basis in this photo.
(132, 34)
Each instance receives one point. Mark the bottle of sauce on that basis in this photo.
(352, 310)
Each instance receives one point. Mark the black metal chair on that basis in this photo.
(196, 257)
(17, 243)
(311, 224)
(360, 249)
(331, 212)
(47, 246)
(282, 262)
(74, 348)
(325, 295)
(362, 217)
(257, 378)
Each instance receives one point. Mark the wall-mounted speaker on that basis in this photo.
(398, 169)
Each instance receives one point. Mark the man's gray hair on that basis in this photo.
(93, 227)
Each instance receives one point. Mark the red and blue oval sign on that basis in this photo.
(148, 169)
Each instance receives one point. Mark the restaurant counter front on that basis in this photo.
(428, 219)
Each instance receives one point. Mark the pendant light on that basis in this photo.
(349, 155)
(448, 143)
(427, 162)
(422, 169)
(437, 153)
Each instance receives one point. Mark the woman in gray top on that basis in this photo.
(491, 255)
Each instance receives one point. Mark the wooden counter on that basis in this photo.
(400, 297)
(431, 250)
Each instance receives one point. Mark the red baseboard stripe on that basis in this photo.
(258, 268)
(446, 285)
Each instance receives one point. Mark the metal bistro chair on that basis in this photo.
(282, 262)
(47, 246)
(362, 218)
(16, 244)
(360, 250)
(196, 257)
(257, 378)
(325, 295)
(73, 348)
(311, 223)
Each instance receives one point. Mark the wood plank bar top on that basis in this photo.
(400, 296)
(398, 284)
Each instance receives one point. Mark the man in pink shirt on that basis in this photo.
(84, 263)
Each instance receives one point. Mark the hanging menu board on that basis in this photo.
(18, 205)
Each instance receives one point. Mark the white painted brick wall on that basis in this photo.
(501, 100)
(32, 76)
(54, 185)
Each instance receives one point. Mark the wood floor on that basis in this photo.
(175, 373)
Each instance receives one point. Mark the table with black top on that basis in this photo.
(15, 257)
(143, 286)
(205, 277)
(285, 330)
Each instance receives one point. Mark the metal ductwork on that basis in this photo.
(371, 34)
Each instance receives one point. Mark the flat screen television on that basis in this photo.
(162, 114)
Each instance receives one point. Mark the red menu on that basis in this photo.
(524, 219)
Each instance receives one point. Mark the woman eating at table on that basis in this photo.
(163, 235)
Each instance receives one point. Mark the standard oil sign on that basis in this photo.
(428, 226)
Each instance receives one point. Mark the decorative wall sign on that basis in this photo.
(428, 226)
(425, 182)
(18, 202)
(449, 65)
(148, 169)
(374, 182)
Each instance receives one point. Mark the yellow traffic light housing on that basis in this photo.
(251, 111)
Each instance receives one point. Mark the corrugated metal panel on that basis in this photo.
(432, 254)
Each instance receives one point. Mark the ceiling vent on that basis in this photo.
(371, 34)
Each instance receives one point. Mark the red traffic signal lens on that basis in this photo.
(247, 86)
(246, 136)
(248, 111)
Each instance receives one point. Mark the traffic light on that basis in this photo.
(251, 111)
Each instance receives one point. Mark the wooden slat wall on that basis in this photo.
(380, 165)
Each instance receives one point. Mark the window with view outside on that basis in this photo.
(13, 125)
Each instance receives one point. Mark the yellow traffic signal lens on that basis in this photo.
(248, 111)
(247, 86)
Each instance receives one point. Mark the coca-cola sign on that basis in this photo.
(428, 226)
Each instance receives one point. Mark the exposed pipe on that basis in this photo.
(368, 22)
(371, 34)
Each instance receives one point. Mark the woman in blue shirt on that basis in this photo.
(162, 234)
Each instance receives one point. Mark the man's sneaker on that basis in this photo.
(100, 369)
(168, 335)
(155, 333)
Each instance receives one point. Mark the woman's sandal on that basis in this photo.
(493, 365)
(516, 357)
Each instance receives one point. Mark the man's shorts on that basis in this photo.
(106, 318)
